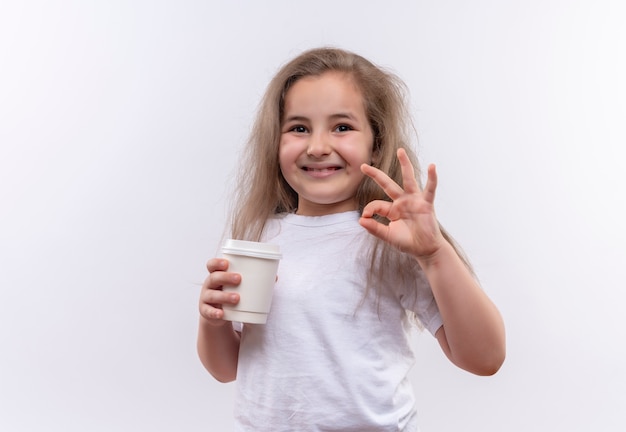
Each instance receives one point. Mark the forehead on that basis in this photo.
(326, 92)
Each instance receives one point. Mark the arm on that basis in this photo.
(472, 336)
(218, 342)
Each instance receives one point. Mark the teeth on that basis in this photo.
(321, 169)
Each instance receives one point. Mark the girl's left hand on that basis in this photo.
(413, 227)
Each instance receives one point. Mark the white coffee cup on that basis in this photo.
(257, 263)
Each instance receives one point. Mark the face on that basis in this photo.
(325, 137)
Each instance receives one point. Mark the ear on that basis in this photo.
(376, 153)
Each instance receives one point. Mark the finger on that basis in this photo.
(217, 264)
(210, 313)
(377, 207)
(431, 184)
(216, 298)
(214, 314)
(409, 183)
(218, 279)
(211, 303)
(374, 227)
(390, 187)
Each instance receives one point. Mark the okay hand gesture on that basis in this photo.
(413, 227)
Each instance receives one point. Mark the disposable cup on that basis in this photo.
(257, 263)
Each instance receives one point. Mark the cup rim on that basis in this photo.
(252, 249)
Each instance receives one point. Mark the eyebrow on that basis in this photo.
(338, 116)
(295, 118)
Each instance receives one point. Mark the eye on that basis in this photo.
(298, 129)
(343, 128)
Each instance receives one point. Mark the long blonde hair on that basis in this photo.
(261, 188)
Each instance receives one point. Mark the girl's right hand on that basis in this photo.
(212, 297)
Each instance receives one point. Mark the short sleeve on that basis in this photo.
(418, 297)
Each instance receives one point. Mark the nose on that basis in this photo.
(318, 145)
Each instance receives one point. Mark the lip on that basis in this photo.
(321, 171)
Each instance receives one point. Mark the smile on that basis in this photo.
(321, 169)
(321, 172)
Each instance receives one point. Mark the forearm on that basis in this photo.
(218, 349)
(473, 334)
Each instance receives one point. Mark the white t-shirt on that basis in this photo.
(329, 357)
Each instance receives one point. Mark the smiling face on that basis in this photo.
(325, 137)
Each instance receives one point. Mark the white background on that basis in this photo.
(121, 124)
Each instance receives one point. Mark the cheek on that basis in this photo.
(286, 156)
(357, 150)
(362, 155)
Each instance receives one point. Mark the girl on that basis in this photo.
(329, 176)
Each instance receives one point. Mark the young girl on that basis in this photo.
(330, 177)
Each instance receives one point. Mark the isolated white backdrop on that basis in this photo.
(121, 123)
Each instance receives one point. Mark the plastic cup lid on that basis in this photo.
(253, 249)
